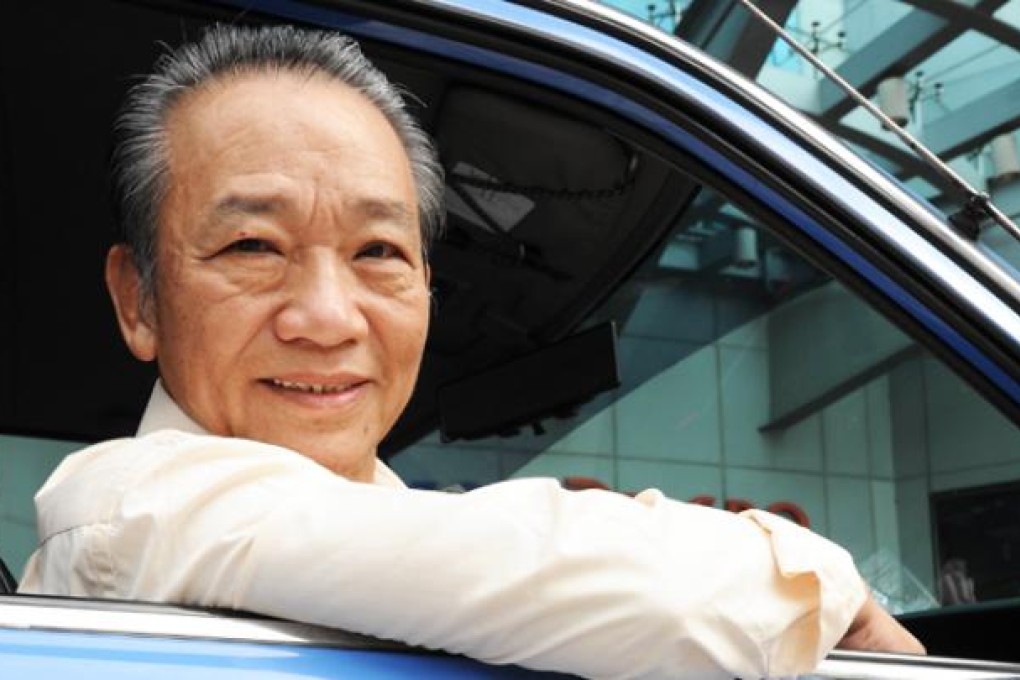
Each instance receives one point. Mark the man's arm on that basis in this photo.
(593, 583)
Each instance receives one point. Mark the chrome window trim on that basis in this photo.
(870, 666)
(59, 614)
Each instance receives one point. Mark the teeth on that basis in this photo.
(306, 387)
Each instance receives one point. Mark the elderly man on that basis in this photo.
(277, 203)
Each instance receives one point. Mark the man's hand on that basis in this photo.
(875, 630)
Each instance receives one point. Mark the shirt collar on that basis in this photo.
(163, 413)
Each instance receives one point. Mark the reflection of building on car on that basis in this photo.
(793, 327)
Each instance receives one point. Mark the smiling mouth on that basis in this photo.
(312, 388)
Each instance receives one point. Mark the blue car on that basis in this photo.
(654, 273)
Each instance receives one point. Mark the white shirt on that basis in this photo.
(589, 582)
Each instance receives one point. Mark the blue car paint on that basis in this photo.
(849, 196)
(41, 655)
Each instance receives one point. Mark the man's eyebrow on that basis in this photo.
(382, 209)
(235, 204)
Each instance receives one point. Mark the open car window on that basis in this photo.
(750, 375)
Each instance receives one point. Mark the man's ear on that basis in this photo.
(134, 312)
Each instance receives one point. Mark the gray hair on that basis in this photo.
(140, 173)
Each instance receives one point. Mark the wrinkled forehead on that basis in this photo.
(263, 94)
(259, 134)
(264, 91)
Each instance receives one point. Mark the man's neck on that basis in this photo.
(163, 413)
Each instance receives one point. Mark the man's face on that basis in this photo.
(292, 298)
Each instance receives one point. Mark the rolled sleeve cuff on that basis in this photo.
(839, 590)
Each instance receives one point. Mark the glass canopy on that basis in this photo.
(948, 71)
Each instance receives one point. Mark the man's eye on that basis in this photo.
(251, 245)
(379, 250)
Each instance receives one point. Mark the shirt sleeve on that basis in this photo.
(590, 582)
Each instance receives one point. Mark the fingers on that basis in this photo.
(875, 630)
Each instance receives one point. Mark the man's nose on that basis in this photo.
(323, 304)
